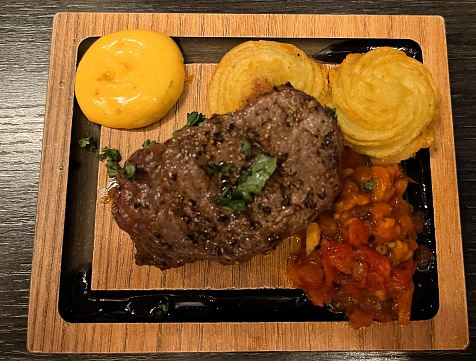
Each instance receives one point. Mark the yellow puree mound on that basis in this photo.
(130, 79)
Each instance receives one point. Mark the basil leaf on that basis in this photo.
(229, 204)
(250, 183)
(193, 119)
(221, 169)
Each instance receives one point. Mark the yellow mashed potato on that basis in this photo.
(130, 79)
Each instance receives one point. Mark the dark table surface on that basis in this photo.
(25, 34)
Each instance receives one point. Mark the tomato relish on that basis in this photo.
(362, 262)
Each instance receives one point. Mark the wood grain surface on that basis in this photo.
(69, 31)
(24, 57)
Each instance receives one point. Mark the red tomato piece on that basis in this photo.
(378, 271)
(359, 233)
(340, 255)
(377, 262)
(402, 276)
(325, 292)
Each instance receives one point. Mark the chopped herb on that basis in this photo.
(113, 168)
(148, 143)
(254, 178)
(221, 169)
(369, 186)
(112, 157)
(111, 153)
(89, 143)
(159, 311)
(129, 171)
(331, 112)
(246, 148)
(226, 201)
(193, 119)
(250, 183)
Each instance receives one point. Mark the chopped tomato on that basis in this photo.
(359, 233)
(364, 263)
(340, 256)
(402, 275)
(378, 264)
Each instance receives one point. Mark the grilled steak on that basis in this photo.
(170, 209)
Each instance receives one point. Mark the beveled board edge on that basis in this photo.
(49, 333)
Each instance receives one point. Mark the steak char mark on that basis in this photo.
(170, 210)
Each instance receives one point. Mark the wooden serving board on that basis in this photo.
(113, 266)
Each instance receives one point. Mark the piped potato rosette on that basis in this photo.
(253, 68)
(386, 104)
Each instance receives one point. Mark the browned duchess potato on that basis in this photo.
(255, 67)
(386, 104)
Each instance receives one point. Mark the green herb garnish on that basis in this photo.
(221, 169)
(193, 119)
(246, 148)
(250, 183)
(227, 201)
(112, 158)
(159, 311)
(331, 112)
(148, 143)
(109, 153)
(369, 186)
(89, 143)
(129, 171)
